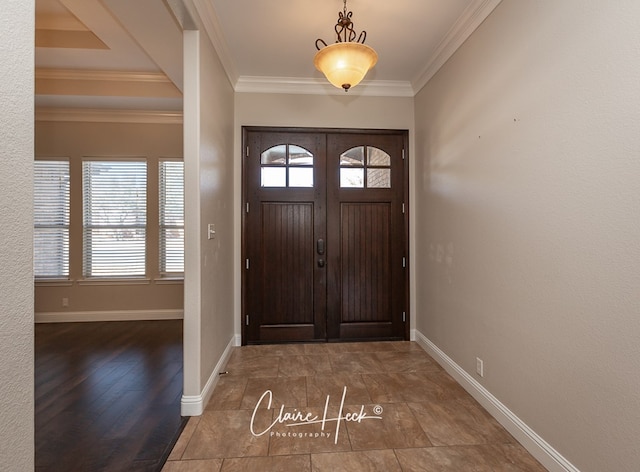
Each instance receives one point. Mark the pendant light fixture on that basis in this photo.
(347, 61)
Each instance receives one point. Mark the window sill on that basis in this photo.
(115, 281)
(178, 280)
(53, 283)
(169, 281)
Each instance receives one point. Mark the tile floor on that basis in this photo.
(401, 412)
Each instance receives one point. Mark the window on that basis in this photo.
(171, 217)
(51, 219)
(356, 172)
(286, 165)
(115, 217)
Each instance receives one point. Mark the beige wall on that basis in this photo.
(527, 214)
(208, 110)
(348, 110)
(76, 140)
(16, 233)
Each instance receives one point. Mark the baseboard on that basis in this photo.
(194, 405)
(538, 447)
(117, 315)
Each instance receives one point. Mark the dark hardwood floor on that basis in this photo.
(107, 395)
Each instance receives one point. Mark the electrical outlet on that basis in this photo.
(65, 302)
(479, 367)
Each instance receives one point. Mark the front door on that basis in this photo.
(324, 235)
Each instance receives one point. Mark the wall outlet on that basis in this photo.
(479, 367)
(65, 302)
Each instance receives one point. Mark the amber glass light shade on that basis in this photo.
(345, 63)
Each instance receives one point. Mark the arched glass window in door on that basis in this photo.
(365, 167)
(286, 165)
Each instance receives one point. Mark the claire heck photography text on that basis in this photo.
(284, 425)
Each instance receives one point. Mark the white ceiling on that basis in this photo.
(106, 54)
(278, 38)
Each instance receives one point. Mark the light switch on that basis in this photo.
(211, 231)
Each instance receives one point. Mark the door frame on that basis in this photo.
(244, 195)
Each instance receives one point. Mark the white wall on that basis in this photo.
(528, 217)
(312, 111)
(16, 232)
(209, 264)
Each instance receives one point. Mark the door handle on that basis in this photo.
(320, 246)
(320, 262)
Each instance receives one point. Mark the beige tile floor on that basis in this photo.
(401, 412)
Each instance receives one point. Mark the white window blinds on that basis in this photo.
(171, 217)
(51, 219)
(115, 218)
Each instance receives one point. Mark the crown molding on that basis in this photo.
(470, 19)
(316, 86)
(212, 26)
(102, 75)
(181, 14)
(108, 116)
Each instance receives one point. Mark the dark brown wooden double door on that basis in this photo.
(324, 235)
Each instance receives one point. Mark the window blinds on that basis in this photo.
(51, 219)
(171, 217)
(115, 218)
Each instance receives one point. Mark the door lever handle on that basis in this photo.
(320, 246)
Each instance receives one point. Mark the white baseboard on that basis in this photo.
(119, 315)
(194, 405)
(538, 447)
(238, 340)
(412, 334)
